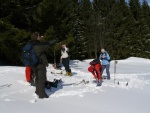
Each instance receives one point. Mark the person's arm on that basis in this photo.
(61, 59)
(62, 50)
(67, 50)
(52, 42)
(107, 56)
(100, 57)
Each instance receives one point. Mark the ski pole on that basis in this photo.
(115, 62)
(54, 59)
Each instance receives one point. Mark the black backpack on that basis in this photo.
(95, 61)
(54, 84)
(29, 56)
(106, 55)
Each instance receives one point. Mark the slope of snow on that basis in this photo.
(17, 96)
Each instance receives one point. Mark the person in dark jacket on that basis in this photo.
(40, 69)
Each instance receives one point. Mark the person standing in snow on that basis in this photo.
(95, 70)
(64, 59)
(40, 69)
(105, 58)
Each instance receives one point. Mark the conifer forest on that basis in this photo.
(121, 27)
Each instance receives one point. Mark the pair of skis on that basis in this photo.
(86, 82)
(57, 73)
(81, 82)
(4, 86)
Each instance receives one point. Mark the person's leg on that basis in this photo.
(36, 84)
(103, 68)
(107, 71)
(40, 86)
(99, 81)
(64, 63)
(97, 68)
(91, 69)
(68, 67)
(33, 75)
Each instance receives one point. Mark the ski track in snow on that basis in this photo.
(134, 80)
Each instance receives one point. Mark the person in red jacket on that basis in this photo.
(95, 69)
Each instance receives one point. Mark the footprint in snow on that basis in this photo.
(33, 101)
(8, 100)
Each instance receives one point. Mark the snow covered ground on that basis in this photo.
(17, 96)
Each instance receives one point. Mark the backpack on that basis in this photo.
(95, 61)
(29, 56)
(54, 84)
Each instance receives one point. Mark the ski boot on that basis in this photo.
(99, 82)
(68, 74)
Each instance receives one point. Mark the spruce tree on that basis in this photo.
(80, 28)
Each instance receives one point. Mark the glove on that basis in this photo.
(63, 49)
(60, 60)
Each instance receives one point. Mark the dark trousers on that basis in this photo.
(40, 81)
(107, 70)
(33, 75)
(65, 62)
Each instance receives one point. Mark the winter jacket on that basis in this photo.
(106, 59)
(40, 48)
(64, 53)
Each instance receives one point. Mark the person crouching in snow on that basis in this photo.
(95, 69)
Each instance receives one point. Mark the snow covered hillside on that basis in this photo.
(17, 96)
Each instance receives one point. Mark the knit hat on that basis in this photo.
(102, 50)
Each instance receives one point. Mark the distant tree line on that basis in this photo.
(122, 28)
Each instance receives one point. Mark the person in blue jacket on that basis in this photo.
(105, 58)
